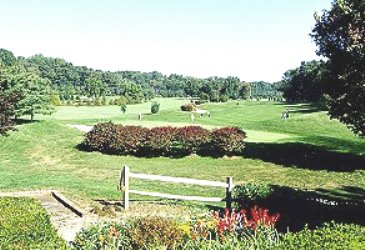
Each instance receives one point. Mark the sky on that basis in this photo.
(252, 39)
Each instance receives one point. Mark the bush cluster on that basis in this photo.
(251, 193)
(168, 141)
(188, 107)
(24, 224)
(235, 230)
(231, 230)
(155, 107)
(329, 236)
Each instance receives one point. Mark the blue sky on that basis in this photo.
(251, 39)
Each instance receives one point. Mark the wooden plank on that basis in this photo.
(125, 186)
(229, 189)
(177, 197)
(67, 203)
(178, 180)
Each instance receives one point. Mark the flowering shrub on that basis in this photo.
(217, 227)
(188, 107)
(233, 230)
(193, 138)
(228, 140)
(118, 139)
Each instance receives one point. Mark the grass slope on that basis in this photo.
(307, 151)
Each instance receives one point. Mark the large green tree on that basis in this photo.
(8, 100)
(340, 36)
(34, 90)
(307, 83)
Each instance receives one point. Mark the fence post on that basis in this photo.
(229, 189)
(125, 186)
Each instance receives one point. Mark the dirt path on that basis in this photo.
(67, 222)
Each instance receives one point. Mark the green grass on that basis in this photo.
(307, 151)
(24, 224)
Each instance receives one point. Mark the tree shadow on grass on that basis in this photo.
(24, 121)
(304, 156)
(298, 208)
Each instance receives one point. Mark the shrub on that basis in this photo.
(155, 107)
(223, 98)
(117, 139)
(329, 236)
(103, 101)
(154, 232)
(193, 138)
(232, 230)
(160, 140)
(188, 107)
(250, 193)
(101, 137)
(130, 139)
(55, 100)
(107, 236)
(97, 101)
(24, 224)
(204, 97)
(123, 107)
(228, 140)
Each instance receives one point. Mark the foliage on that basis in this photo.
(7, 110)
(154, 232)
(123, 107)
(34, 91)
(329, 236)
(306, 83)
(155, 107)
(160, 140)
(339, 34)
(129, 139)
(102, 138)
(188, 107)
(214, 231)
(223, 98)
(119, 139)
(55, 100)
(250, 193)
(193, 138)
(24, 224)
(228, 140)
(8, 100)
(108, 236)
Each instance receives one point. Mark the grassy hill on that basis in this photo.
(306, 151)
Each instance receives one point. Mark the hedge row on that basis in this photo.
(25, 224)
(123, 140)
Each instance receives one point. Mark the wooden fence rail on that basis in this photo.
(126, 175)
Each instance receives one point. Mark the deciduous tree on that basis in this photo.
(340, 36)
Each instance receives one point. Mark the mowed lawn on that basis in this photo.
(307, 151)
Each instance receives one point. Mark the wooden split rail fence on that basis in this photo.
(126, 175)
